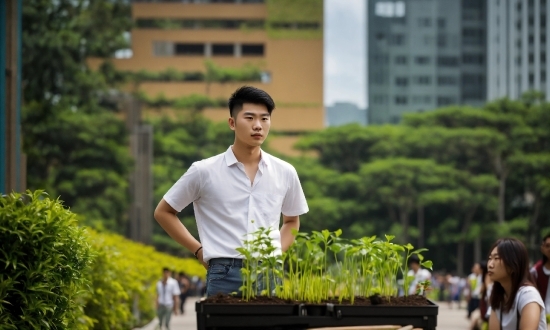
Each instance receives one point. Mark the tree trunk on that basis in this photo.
(462, 241)
(420, 219)
(502, 175)
(477, 249)
(534, 237)
(404, 220)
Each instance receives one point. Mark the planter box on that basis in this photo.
(278, 317)
(424, 317)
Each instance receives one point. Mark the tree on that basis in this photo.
(503, 116)
(401, 184)
(75, 146)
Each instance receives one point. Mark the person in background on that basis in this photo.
(515, 302)
(481, 315)
(185, 287)
(168, 291)
(541, 272)
(474, 284)
(420, 274)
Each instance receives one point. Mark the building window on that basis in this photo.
(401, 59)
(401, 81)
(445, 100)
(380, 99)
(401, 100)
(447, 80)
(252, 50)
(397, 40)
(472, 59)
(472, 37)
(390, 9)
(381, 59)
(447, 61)
(423, 80)
(424, 22)
(441, 23)
(422, 60)
(189, 49)
(441, 40)
(223, 49)
(163, 48)
(473, 79)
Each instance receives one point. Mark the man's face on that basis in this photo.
(414, 266)
(545, 248)
(251, 124)
(476, 269)
(166, 274)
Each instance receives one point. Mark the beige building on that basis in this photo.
(283, 39)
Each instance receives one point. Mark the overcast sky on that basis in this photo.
(345, 29)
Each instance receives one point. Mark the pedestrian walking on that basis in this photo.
(515, 302)
(541, 272)
(168, 292)
(234, 194)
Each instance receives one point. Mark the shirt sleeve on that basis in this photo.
(176, 289)
(186, 190)
(294, 202)
(528, 295)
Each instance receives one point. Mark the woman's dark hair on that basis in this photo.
(515, 258)
(545, 258)
(249, 94)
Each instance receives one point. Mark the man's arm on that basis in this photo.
(176, 304)
(287, 238)
(167, 219)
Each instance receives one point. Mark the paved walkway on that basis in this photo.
(448, 319)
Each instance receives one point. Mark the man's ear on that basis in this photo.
(232, 123)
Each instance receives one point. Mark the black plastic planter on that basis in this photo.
(260, 316)
(424, 317)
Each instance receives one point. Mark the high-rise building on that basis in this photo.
(424, 54)
(283, 39)
(517, 47)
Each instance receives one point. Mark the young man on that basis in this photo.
(234, 194)
(168, 291)
(541, 272)
(420, 274)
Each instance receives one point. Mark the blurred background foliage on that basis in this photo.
(451, 180)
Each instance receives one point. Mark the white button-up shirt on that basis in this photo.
(228, 207)
(167, 291)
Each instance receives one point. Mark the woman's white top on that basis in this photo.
(524, 296)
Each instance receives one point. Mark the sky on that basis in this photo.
(344, 50)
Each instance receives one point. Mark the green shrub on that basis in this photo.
(124, 273)
(43, 260)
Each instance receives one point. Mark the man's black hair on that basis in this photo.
(414, 259)
(249, 94)
(165, 269)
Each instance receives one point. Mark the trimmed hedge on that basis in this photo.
(124, 273)
(43, 261)
(57, 275)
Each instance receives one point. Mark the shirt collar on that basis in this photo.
(230, 158)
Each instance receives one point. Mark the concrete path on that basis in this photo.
(448, 319)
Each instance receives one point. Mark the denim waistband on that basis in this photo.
(226, 261)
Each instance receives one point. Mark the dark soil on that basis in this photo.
(413, 300)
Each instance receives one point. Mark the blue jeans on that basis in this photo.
(224, 276)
